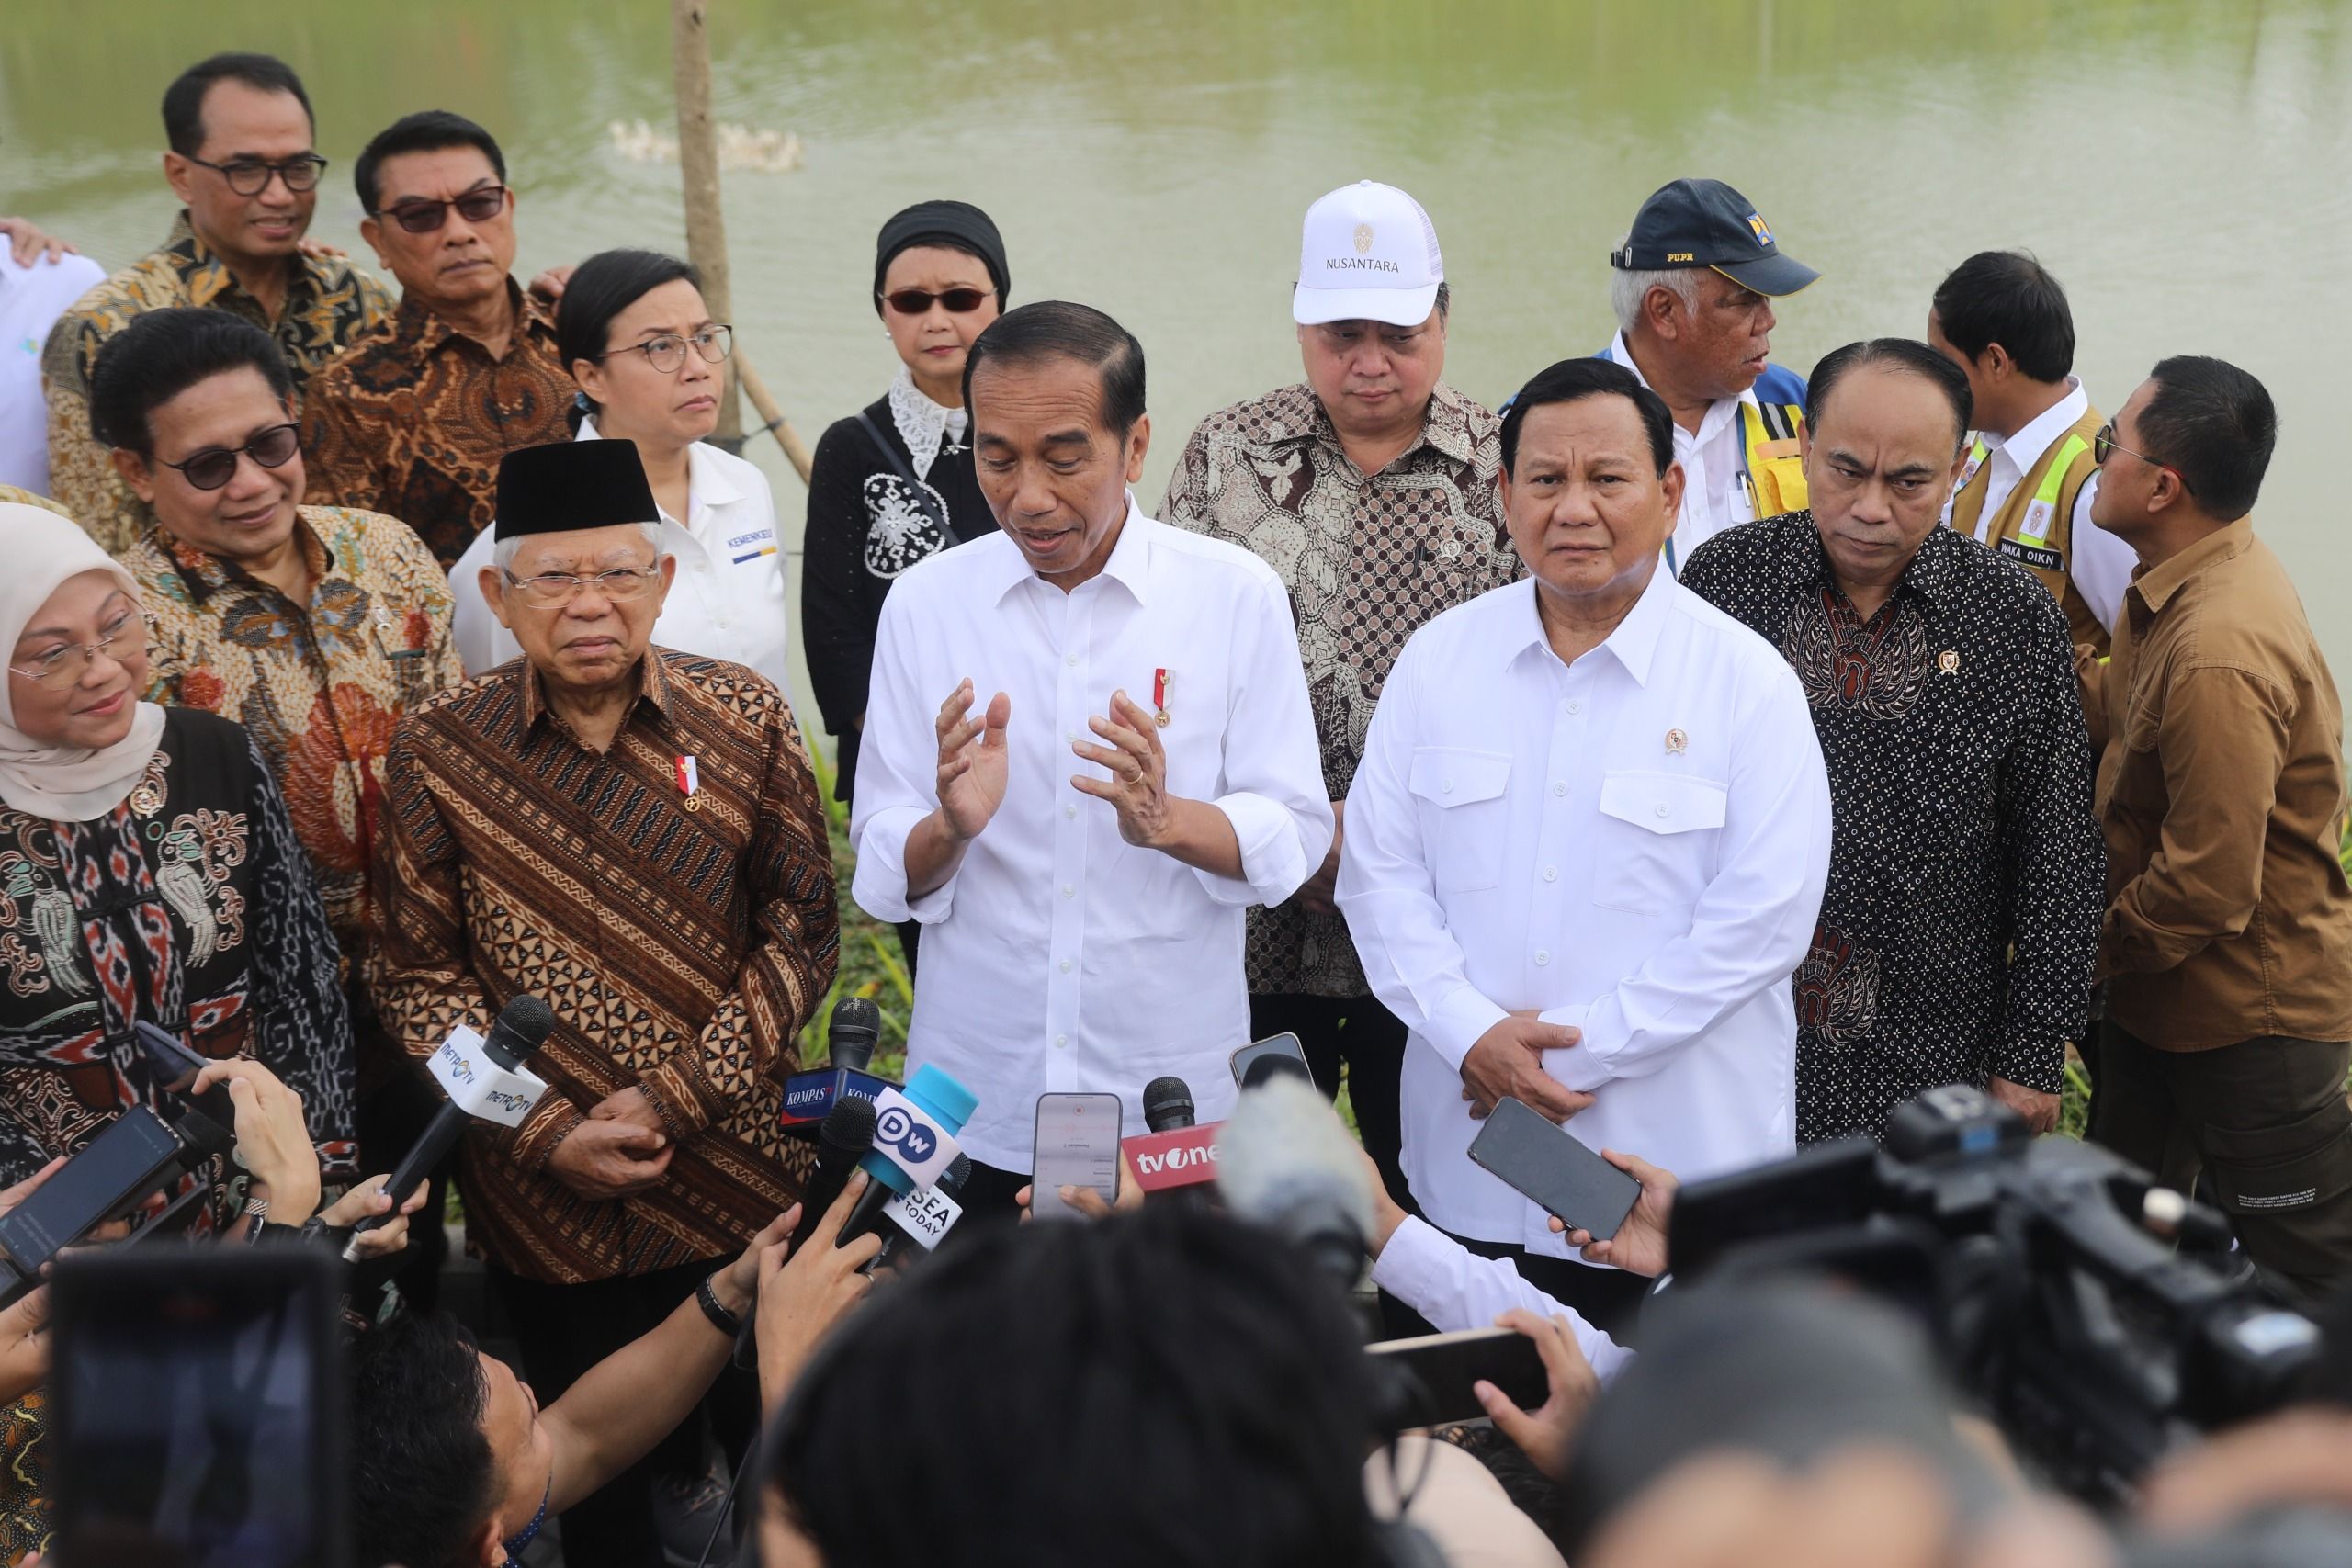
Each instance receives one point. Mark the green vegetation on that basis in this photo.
(870, 963)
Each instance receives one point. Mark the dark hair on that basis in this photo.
(607, 284)
(1171, 1387)
(161, 354)
(2216, 424)
(1572, 381)
(428, 130)
(184, 100)
(1056, 329)
(1904, 354)
(2007, 297)
(1444, 298)
(424, 1477)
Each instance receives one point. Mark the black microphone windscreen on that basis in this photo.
(1265, 1067)
(853, 1032)
(201, 1137)
(1166, 1104)
(958, 1171)
(520, 1028)
(847, 1130)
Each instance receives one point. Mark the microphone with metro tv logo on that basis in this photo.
(1175, 1154)
(914, 1142)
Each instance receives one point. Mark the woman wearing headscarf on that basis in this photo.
(894, 482)
(148, 870)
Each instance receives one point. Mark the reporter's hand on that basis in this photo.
(1387, 1212)
(1507, 1063)
(608, 1159)
(273, 1140)
(2039, 1109)
(24, 1345)
(1639, 1245)
(550, 284)
(1547, 1436)
(366, 1202)
(12, 1196)
(631, 1105)
(803, 1294)
(1088, 1202)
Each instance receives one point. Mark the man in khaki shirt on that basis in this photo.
(2227, 945)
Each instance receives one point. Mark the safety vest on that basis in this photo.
(2035, 527)
(1770, 433)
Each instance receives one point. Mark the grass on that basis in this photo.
(871, 964)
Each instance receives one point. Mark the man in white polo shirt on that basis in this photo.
(1087, 751)
(1587, 844)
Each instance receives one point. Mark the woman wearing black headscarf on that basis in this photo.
(894, 482)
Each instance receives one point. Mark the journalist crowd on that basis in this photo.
(1775, 796)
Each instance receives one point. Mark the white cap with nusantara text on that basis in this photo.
(1368, 254)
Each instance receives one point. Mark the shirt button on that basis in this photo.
(1071, 735)
(1559, 786)
(1446, 788)
(1576, 707)
(1064, 965)
(1551, 874)
(1069, 810)
(1061, 1040)
(702, 567)
(1662, 808)
(1542, 956)
(1071, 660)
(1068, 891)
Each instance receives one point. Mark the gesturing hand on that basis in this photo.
(1137, 787)
(971, 761)
(610, 1159)
(1507, 1063)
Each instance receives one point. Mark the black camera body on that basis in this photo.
(2100, 1319)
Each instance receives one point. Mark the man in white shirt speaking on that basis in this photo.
(1087, 751)
(1587, 843)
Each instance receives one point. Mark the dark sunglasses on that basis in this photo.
(212, 469)
(959, 302)
(2103, 443)
(250, 176)
(422, 217)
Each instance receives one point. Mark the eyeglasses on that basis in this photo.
(250, 176)
(2103, 443)
(668, 352)
(422, 217)
(62, 669)
(959, 302)
(215, 465)
(553, 589)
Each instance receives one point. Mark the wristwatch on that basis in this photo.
(256, 1215)
(726, 1322)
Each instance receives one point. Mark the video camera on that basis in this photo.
(2100, 1319)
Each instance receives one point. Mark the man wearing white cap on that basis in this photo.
(1370, 489)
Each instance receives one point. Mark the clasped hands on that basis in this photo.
(1507, 1063)
(621, 1148)
(971, 779)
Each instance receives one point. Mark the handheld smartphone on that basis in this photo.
(1433, 1375)
(113, 1172)
(1251, 1063)
(176, 1065)
(1547, 1164)
(197, 1408)
(1078, 1145)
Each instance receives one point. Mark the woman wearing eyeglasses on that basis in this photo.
(894, 482)
(149, 872)
(650, 364)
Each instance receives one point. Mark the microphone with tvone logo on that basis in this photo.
(914, 1142)
(1176, 1154)
(483, 1078)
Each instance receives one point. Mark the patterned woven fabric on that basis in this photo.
(1966, 876)
(24, 1506)
(682, 941)
(319, 686)
(414, 419)
(1367, 562)
(328, 305)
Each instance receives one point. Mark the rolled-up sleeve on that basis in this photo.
(898, 771)
(1411, 959)
(1273, 793)
(1457, 1290)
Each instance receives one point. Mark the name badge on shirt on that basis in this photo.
(754, 545)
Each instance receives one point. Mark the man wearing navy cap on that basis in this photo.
(1693, 293)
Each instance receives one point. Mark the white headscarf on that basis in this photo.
(61, 783)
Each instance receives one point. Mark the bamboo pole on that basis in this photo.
(698, 170)
(772, 417)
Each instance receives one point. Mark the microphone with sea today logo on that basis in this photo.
(1175, 1154)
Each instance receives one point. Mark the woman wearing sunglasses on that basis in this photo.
(894, 482)
(650, 364)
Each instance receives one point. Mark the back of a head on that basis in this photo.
(1164, 1387)
(1059, 328)
(424, 1480)
(2008, 297)
(161, 354)
(2216, 424)
(428, 130)
(184, 100)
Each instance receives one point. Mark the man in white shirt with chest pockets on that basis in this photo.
(1087, 752)
(1587, 844)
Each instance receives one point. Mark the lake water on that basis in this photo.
(2185, 168)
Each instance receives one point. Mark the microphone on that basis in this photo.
(914, 1141)
(1285, 1162)
(1166, 1104)
(852, 1034)
(847, 1135)
(923, 1219)
(1176, 1154)
(483, 1078)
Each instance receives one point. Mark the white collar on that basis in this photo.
(1633, 643)
(1717, 411)
(2024, 449)
(927, 427)
(708, 484)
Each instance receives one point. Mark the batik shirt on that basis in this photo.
(328, 304)
(1966, 873)
(319, 685)
(189, 905)
(1367, 562)
(414, 420)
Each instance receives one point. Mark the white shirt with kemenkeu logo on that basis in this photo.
(1060, 957)
(1634, 845)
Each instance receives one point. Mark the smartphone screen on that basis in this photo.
(1078, 1145)
(199, 1416)
(88, 1187)
(1250, 1069)
(1547, 1164)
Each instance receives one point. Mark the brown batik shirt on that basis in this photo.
(1367, 562)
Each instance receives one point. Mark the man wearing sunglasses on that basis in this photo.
(414, 419)
(2227, 945)
(243, 164)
